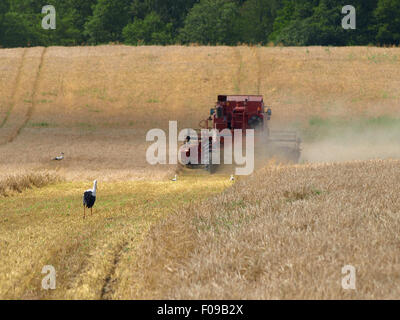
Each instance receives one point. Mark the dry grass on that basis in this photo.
(283, 233)
(10, 184)
(93, 257)
(96, 103)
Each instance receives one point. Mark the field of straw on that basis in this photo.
(284, 232)
(94, 257)
(96, 104)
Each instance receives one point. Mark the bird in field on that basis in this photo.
(175, 178)
(59, 158)
(232, 178)
(89, 198)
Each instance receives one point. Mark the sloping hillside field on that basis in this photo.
(284, 232)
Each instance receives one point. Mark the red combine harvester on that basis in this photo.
(240, 112)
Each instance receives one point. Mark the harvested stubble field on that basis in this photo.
(284, 232)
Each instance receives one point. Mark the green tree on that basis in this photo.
(82, 11)
(366, 23)
(387, 16)
(67, 31)
(211, 22)
(16, 31)
(71, 15)
(26, 6)
(256, 20)
(4, 7)
(108, 20)
(150, 30)
(170, 11)
(326, 23)
(320, 23)
(291, 23)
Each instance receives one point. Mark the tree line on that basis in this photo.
(206, 22)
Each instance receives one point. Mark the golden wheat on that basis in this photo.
(284, 233)
(97, 103)
(92, 257)
(22, 181)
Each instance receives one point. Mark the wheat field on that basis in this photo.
(284, 232)
(97, 103)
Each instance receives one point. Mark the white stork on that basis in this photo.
(89, 198)
(59, 158)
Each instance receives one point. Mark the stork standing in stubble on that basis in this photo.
(89, 198)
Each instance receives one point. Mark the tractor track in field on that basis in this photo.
(238, 81)
(256, 87)
(32, 107)
(14, 91)
(258, 64)
(108, 286)
(33, 97)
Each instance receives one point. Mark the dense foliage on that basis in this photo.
(152, 22)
